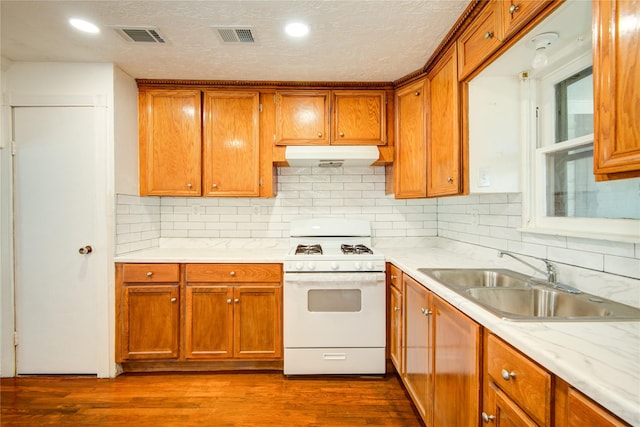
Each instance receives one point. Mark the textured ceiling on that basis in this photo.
(380, 40)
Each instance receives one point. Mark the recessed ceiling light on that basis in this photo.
(83, 25)
(296, 29)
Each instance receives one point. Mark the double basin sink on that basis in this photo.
(514, 296)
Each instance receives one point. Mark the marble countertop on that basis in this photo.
(601, 359)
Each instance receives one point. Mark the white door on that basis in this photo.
(55, 216)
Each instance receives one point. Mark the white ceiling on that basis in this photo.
(350, 40)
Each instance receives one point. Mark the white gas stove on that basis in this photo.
(334, 299)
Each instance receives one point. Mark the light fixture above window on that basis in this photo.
(540, 43)
(297, 29)
(84, 26)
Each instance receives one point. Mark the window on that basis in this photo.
(565, 195)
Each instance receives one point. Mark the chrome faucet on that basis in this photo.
(551, 269)
(550, 273)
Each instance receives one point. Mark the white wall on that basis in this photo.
(80, 84)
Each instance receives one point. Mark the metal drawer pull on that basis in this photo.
(426, 311)
(233, 273)
(488, 35)
(486, 418)
(174, 299)
(228, 300)
(514, 8)
(506, 375)
(149, 273)
(236, 300)
(396, 308)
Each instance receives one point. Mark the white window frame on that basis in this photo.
(538, 114)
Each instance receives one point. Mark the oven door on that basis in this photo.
(334, 310)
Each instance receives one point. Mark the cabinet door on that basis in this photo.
(302, 117)
(258, 322)
(616, 148)
(395, 328)
(410, 164)
(231, 152)
(456, 366)
(170, 142)
(209, 322)
(500, 411)
(150, 322)
(418, 349)
(478, 41)
(359, 118)
(516, 13)
(444, 151)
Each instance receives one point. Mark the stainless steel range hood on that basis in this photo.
(331, 155)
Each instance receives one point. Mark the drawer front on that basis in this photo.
(478, 42)
(522, 380)
(234, 273)
(151, 273)
(395, 277)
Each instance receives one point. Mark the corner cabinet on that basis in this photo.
(170, 142)
(231, 151)
(616, 72)
(410, 163)
(444, 148)
(323, 117)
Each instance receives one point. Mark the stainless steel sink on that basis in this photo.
(474, 278)
(517, 297)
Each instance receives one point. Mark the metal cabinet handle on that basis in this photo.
(85, 250)
(149, 274)
(393, 277)
(174, 299)
(341, 133)
(507, 375)
(236, 300)
(486, 418)
(488, 35)
(232, 274)
(319, 134)
(214, 185)
(514, 8)
(449, 180)
(416, 93)
(228, 300)
(189, 185)
(426, 311)
(396, 308)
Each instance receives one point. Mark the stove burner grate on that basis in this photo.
(308, 250)
(355, 249)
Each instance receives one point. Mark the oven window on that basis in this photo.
(334, 300)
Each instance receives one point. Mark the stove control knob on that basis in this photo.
(334, 265)
(357, 266)
(299, 266)
(312, 266)
(370, 265)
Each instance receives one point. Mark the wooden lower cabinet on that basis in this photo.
(574, 409)
(442, 358)
(207, 313)
(396, 318)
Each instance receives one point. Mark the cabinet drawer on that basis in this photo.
(395, 277)
(522, 380)
(232, 273)
(150, 273)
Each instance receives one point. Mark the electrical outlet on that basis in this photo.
(195, 210)
(255, 209)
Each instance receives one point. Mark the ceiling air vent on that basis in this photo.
(235, 34)
(141, 34)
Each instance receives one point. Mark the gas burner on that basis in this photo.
(355, 249)
(309, 250)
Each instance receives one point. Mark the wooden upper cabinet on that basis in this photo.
(444, 149)
(410, 164)
(170, 142)
(478, 41)
(514, 14)
(616, 73)
(359, 117)
(231, 144)
(302, 117)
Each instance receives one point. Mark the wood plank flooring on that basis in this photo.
(206, 399)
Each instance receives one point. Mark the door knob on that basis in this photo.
(85, 250)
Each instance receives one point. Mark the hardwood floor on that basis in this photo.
(206, 399)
